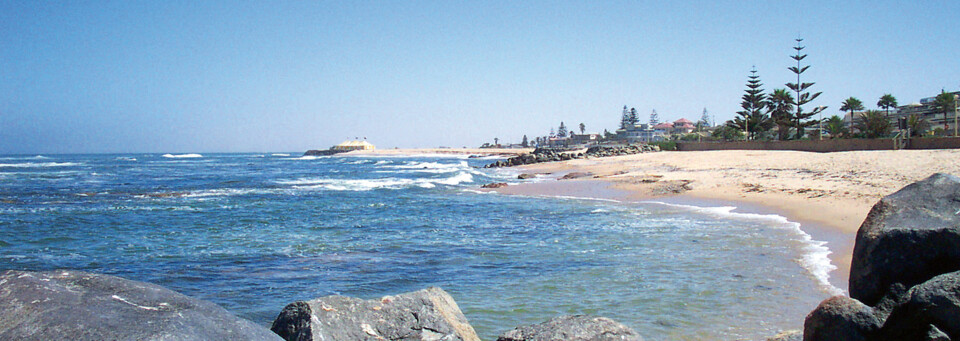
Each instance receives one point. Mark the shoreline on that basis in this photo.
(838, 242)
(828, 194)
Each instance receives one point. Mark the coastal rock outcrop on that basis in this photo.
(573, 328)
(908, 238)
(429, 314)
(76, 305)
(541, 155)
(904, 270)
(323, 152)
(494, 185)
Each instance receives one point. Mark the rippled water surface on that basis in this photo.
(253, 232)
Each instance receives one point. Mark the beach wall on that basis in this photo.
(822, 146)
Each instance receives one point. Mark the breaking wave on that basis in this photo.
(182, 156)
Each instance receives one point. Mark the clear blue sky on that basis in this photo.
(208, 76)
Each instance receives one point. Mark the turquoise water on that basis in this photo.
(253, 232)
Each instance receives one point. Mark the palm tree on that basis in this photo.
(886, 102)
(917, 124)
(583, 128)
(852, 104)
(835, 126)
(945, 103)
(874, 124)
(780, 105)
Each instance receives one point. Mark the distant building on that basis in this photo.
(346, 146)
(589, 138)
(925, 110)
(683, 126)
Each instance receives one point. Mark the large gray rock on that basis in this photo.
(75, 305)
(572, 328)
(840, 318)
(933, 308)
(907, 238)
(429, 314)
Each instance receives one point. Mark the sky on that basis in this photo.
(287, 76)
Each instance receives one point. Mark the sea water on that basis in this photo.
(254, 232)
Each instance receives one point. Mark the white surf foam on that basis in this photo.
(279, 154)
(182, 156)
(307, 157)
(125, 158)
(39, 164)
(371, 184)
(815, 258)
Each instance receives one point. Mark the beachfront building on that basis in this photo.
(347, 146)
(641, 133)
(683, 126)
(581, 139)
(925, 109)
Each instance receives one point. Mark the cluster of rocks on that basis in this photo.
(75, 305)
(541, 155)
(904, 278)
(322, 152)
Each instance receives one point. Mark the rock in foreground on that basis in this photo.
(429, 314)
(75, 305)
(841, 318)
(572, 328)
(907, 238)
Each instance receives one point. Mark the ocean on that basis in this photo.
(254, 232)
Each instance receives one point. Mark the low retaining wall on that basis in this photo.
(823, 146)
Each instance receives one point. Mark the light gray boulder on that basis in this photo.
(573, 328)
(75, 305)
(429, 314)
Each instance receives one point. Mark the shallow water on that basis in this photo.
(253, 232)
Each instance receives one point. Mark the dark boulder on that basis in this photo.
(525, 176)
(429, 314)
(75, 305)
(494, 185)
(932, 308)
(572, 328)
(840, 318)
(575, 175)
(907, 238)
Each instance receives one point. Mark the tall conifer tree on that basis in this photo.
(753, 119)
(802, 119)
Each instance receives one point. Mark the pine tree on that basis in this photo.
(704, 119)
(632, 119)
(654, 118)
(802, 119)
(562, 131)
(753, 119)
(624, 118)
(525, 143)
(553, 133)
(583, 128)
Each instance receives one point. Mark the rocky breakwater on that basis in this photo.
(75, 305)
(904, 278)
(541, 155)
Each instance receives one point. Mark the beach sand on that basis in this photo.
(829, 194)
